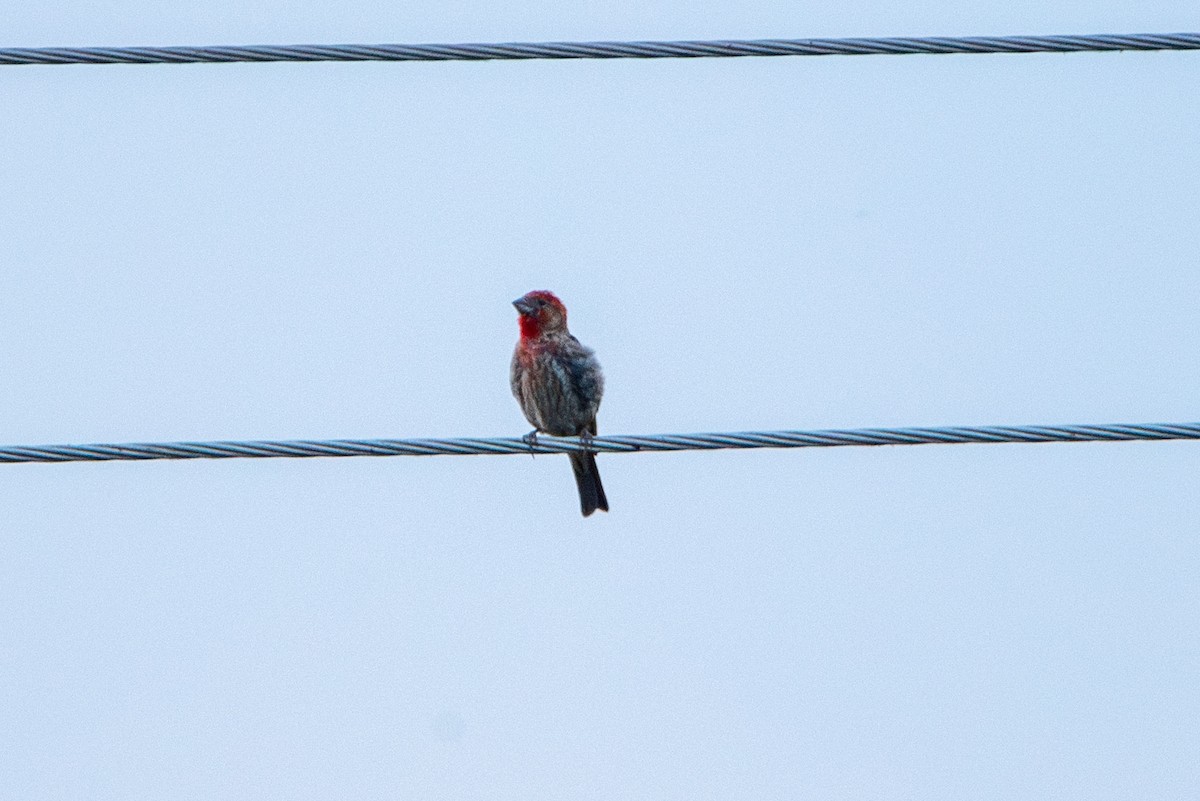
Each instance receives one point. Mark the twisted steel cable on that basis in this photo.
(618, 444)
(562, 50)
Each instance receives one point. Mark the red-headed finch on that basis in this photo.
(558, 383)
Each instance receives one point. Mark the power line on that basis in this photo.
(616, 444)
(564, 50)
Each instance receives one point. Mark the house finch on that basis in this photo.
(558, 383)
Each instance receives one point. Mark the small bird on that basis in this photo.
(558, 383)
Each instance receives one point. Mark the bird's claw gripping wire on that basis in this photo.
(531, 440)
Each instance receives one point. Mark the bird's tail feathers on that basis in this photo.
(587, 478)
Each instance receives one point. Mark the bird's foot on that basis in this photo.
(531, 440)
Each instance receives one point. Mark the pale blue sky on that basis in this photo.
(329, 250)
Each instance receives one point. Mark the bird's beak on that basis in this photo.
(523, 306)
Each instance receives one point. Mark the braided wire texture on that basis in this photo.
(615, 444)
(576, 50)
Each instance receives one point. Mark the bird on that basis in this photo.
(558, 383)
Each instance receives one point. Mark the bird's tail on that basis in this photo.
(587, 477)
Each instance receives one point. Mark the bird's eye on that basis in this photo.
(541, 303)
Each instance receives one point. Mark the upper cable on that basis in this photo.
(562, 50)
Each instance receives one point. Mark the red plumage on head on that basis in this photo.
(544, 309)
(546, 295)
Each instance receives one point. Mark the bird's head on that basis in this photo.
(541, 313)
